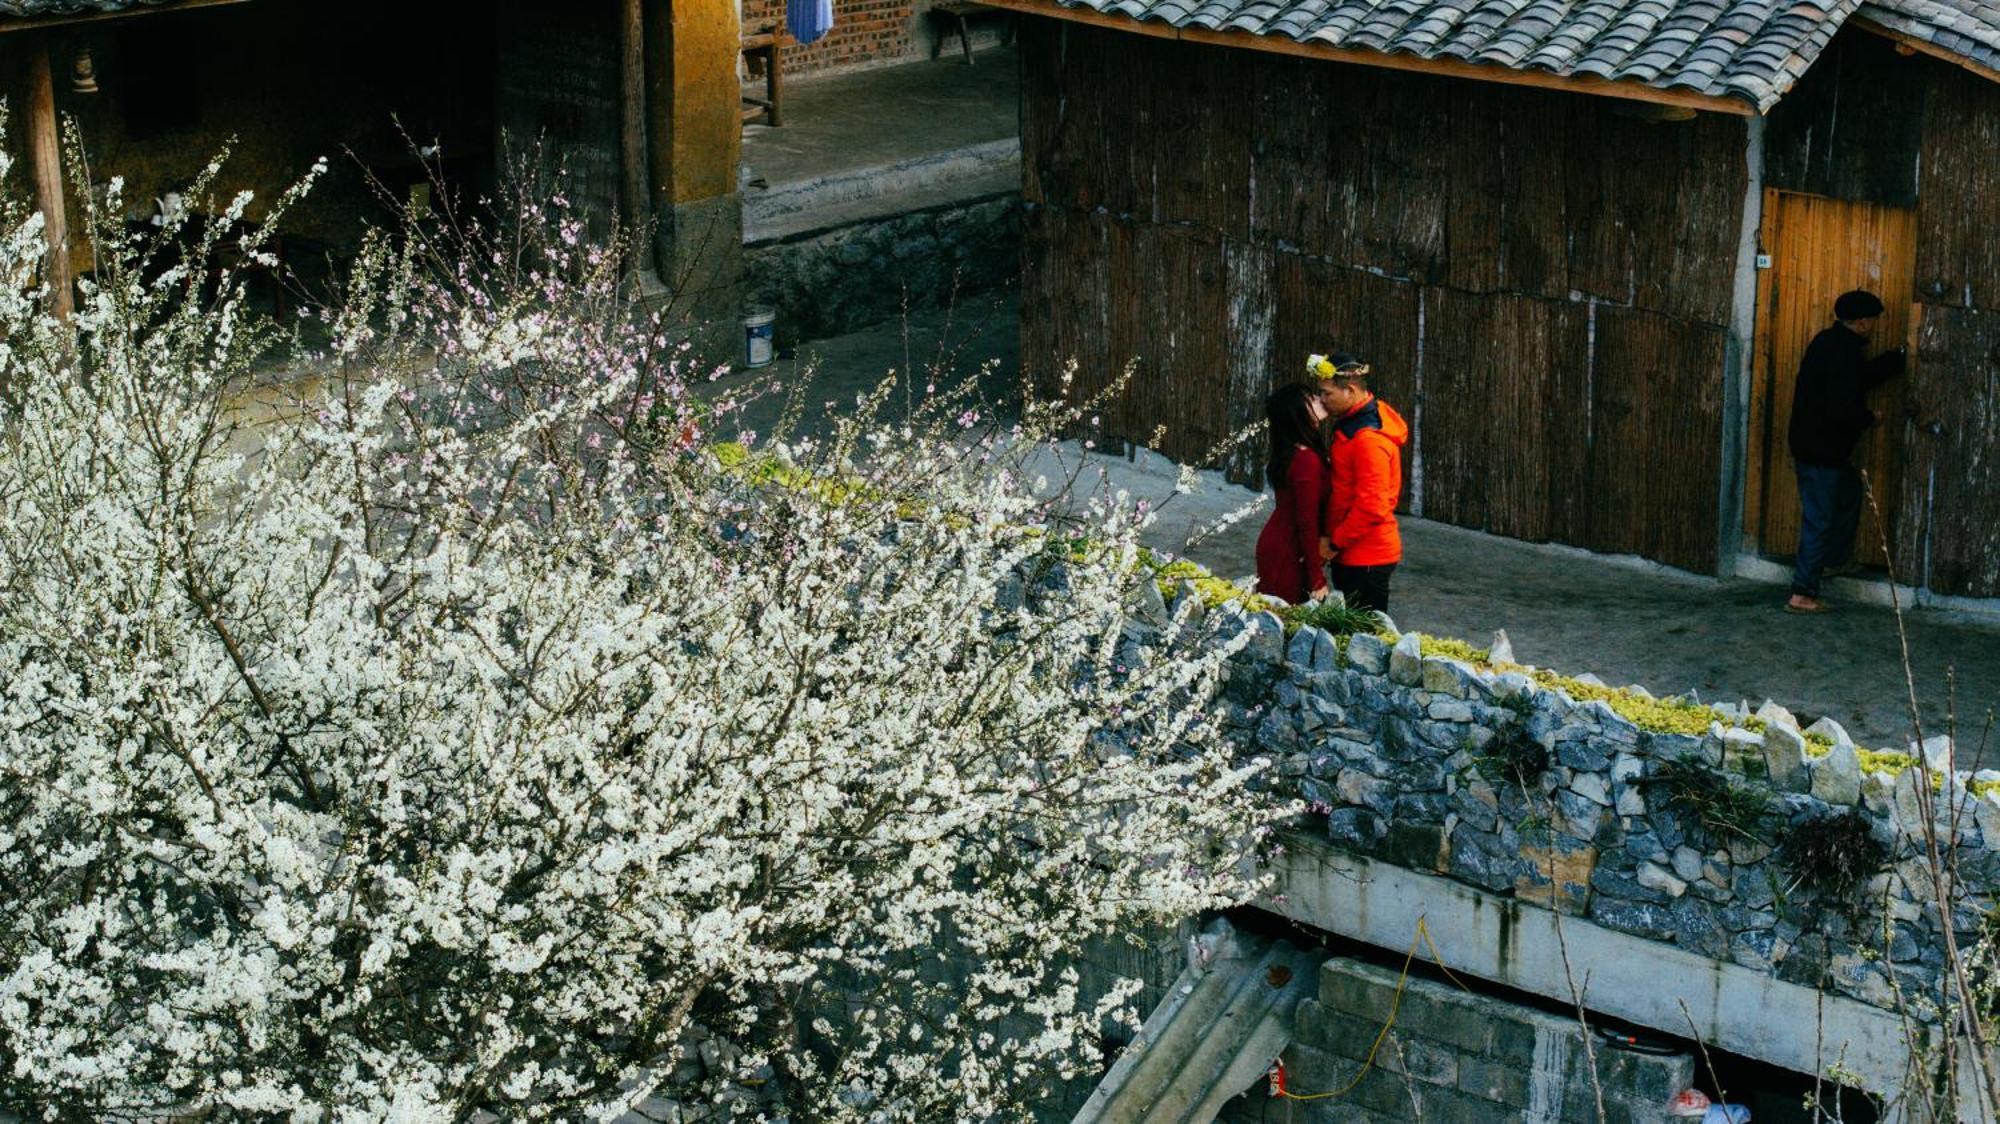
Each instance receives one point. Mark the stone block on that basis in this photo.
(1348, 1014)
(1357, 787)
(1653, 876)
(1356, 828)
(1450, 710)
(1592, 787)
(1430, 1062)
(1493, 1081)
(1368, 653)
(1415, 846)
(1836, 777)
(1406, 661)
(1687, 863)
(1556, 878)
(1479, 865)
(1785, 758)
(1697, 930)
(1576, 816)
(1586, 754)
(1450, 1106)
(1267, 638)
(1834, 731)
(1648, 1078)
(1311, 649)
(1676, 747)
(1445, 1015)
(1740, 747)
(1644, 919)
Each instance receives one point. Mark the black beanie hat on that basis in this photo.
(1857, 305)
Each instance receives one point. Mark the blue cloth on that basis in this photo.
(807, 20)
(1829, 512)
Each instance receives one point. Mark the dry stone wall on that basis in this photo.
(1753, 841)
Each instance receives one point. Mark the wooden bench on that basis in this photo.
(763, 46)
(959, 15)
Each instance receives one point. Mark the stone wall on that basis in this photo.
(828, 282)
(1496, 776)
(1453, 1057)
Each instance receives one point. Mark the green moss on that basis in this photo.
(1884, 761)
(1660, 716)
(1818, 745)
(1447, 648)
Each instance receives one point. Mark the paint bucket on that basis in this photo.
(759, 337)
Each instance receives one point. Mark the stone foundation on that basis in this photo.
(1452, 1057)
(829, 282)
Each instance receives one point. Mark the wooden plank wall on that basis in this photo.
(1951, 477)
(1541, 284)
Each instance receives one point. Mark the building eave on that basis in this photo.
(1914, 44)
(1449, 68)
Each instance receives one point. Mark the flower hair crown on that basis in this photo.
(1320, 367)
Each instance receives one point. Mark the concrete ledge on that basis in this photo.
(795, 209)
(1642, 981)
(1985, 610)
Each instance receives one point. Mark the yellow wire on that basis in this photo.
(1423, 934)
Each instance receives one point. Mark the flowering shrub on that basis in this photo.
(461, 738)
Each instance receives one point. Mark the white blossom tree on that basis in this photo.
(457, 737)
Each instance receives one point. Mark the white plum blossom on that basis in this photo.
(456, 735)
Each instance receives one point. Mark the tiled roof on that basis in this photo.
(66, 7)
(1969, 28)
(1750, 50)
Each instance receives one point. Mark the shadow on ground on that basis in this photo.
(1627, 620)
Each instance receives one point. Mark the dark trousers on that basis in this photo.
(1829, 512)
(1364, 587)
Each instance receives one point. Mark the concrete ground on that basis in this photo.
(884, 142)
(1626, 620)
(868, 118)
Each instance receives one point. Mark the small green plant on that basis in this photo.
(1832, 854)
(1716, 807)
(1535, 829)
(1332, 617)
(1512, 757)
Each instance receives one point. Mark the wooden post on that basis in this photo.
(694, 135)
(45, 161)
(634, 198)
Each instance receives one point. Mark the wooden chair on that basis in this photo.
(958, 15)
(764, 46)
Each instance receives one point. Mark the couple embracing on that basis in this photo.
(1338, 485)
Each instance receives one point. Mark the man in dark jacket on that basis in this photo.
(1829, 415)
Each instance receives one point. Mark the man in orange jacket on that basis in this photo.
(1368, 439)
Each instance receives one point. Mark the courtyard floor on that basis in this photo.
(1626, 620)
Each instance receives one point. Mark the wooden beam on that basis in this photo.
(1907, 44)
(46, 165)
(635, 200)
(32, 23)
(1448, 68)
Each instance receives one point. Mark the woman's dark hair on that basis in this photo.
(1288, 409)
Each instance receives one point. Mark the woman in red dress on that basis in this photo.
(1289, 563)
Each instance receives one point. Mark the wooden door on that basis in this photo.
(1820, 248)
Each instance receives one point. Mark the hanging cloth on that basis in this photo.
(807, 20)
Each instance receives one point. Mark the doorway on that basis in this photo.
(1819, 248)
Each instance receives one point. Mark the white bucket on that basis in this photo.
(759, 327)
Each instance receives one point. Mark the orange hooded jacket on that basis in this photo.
(1367, 484)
